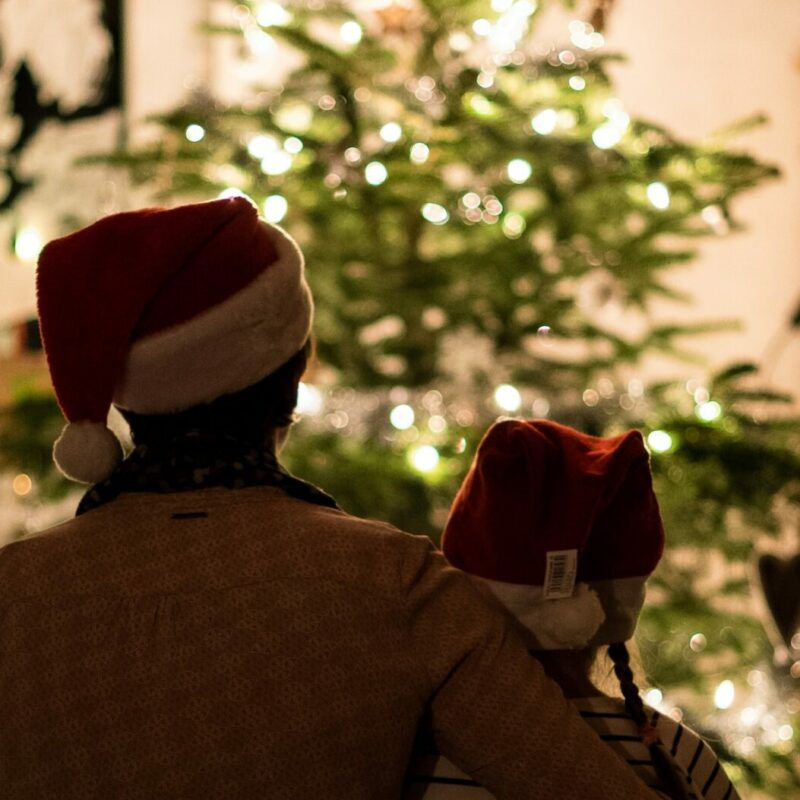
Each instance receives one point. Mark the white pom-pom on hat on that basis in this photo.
(87, 452)
(565, 624)
(568, 623)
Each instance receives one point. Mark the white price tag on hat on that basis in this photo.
(559, 576)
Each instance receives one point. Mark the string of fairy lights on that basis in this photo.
(422, 417)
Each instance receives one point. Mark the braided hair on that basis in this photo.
(672, 777)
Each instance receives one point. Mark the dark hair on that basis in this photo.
(248, 414)
(672, 777)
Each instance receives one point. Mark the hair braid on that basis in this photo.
(669, 772)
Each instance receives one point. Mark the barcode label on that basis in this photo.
(559, 576)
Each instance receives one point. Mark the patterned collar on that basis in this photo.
(199, 460)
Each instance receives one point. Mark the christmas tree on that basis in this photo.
(486, 230)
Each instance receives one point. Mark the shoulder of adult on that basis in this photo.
(254, 524)
(370, 551)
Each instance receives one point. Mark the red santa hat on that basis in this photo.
(564, 528)
(161, 309)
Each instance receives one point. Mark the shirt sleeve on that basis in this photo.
(493, 711)
(702, 767)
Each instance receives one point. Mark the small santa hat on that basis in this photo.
(159, 310)
(564, 528)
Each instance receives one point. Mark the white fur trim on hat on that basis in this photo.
(87, 452)
(599, 612)
(227, 348)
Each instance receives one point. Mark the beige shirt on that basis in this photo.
(243, 644)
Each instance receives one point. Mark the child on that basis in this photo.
(564, 530)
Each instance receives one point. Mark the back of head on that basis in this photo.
(164, 310)
(250, 415)
(563, 527)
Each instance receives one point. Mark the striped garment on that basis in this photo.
(435, 778)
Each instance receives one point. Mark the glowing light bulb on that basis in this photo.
(28, 244)
(293, 145)
(424, 458)
(481, 105)
(755, 677)
(697, 642)
(545, 121)
(724, 695)
(262, 145)
(435, 213)
(459, 41)
(508, 397)
(22, 485)
(294, 116)
(577, 83)
(606, 136)
(613, 109)
(715, 218)
(583, 35)
(519, 170)
(749, 716)
(653, 697)
(747, 745)
(566, 119)
(492, 205)
(402, 417)
(375, 173)
(276, 163)
(309, 399)
(275, 208)
(659, 441)
(658, 195)
(513, 225)
(420, 152)
(709, 411)
(540, 407)
(194, 132)
(701, 395)
(260, 42)
(391, 132)
(437, 423)
(350, 32)
(272, 13)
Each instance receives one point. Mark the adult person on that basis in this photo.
(209, 626)
(564, 529)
